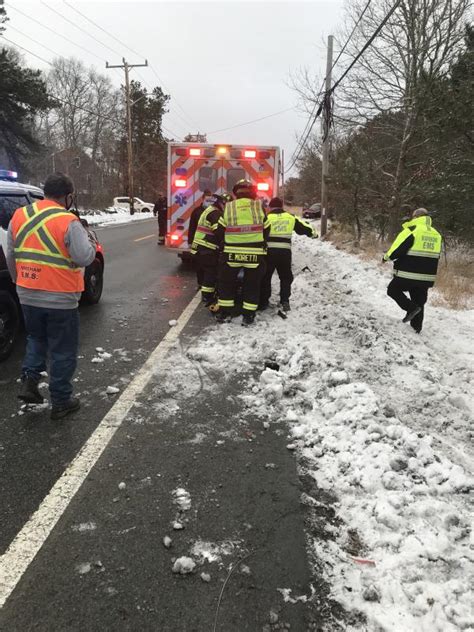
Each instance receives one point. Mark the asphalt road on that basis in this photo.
(104, 567)
(145, 287)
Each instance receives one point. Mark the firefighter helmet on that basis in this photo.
(244, 185)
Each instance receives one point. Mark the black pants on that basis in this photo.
(206, 271)
(162, 225)
(227, 283)
(418, 296)
(278, 259)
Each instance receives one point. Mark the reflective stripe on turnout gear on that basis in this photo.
(208, 290)
(251, 307)
(414, 276)
(243, 222)
(41, 256)
(279, 244)
(204, 235)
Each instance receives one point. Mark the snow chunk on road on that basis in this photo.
(212, 551)
(112, 390)
(184, 565)
(182, 498)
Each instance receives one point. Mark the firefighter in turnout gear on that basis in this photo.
(415, 253)
(206, 250)
(242, 234)
(282, 226)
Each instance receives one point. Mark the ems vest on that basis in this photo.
(41, 257)
(205, 235)
(281, 230)
(420, 263)
(244, 222)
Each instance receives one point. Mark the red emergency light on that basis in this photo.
(175, 237)
(263, 186)
(194, 151)
(250, 153)
(180, 183)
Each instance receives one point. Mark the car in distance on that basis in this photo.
(139, 205)
(312, 212)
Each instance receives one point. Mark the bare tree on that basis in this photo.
(414, 48)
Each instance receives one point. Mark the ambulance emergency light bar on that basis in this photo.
(222, 150)
(263, 186)
(6, 174)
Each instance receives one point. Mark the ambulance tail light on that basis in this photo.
(180, 183)
(263, 186)
(195, 151)
(250, 153)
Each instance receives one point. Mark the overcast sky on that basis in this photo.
(223, 63)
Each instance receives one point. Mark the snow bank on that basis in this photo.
(379, 419)
(112, 215)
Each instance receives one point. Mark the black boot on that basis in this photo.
(411, 314)
(248, 319)
(285, 305)
(59, 411)
(29, 392)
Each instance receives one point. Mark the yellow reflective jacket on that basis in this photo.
(205, 235)
(416, 251)
(243, 228)
(282, 225)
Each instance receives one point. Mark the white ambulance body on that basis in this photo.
(196, 167)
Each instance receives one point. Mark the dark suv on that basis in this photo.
(12, 196)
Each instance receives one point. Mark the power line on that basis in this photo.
(45, 26)
(328, 95)
(341, 52)
(35, 40)
(262, 118)
(101, 28)
(80, 28)
(26, 50)
(131, 50)
(367, 44)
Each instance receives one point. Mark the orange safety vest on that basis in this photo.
(42, 259)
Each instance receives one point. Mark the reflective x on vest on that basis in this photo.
(42, 260)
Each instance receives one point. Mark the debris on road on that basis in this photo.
(184, 565)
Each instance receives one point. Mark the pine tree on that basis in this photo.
(22, 96)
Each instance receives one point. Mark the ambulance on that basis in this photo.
(196, 167)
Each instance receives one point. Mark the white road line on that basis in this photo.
(23, 549)
(146, 237)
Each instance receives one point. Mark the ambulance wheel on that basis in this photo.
(9, 323)
(93, 283)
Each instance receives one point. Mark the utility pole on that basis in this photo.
(282, 172)
(128, 110)
(325, 129)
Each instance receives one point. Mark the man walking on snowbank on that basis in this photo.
(415, 253)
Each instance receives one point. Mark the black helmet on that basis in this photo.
(219, 200)
(244, 185)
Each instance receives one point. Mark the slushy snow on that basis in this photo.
(379, 419)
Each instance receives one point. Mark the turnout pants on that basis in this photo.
(228, 277)
(278, 259)
(53, 332)
(418, 296)
(206, 270)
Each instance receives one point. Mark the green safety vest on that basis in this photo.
(205, 232)
(244, 222)
(420, 263)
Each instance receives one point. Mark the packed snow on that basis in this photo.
(379, 419)
(112, 215)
